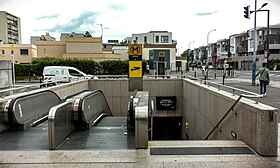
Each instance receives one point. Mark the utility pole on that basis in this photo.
(13, 62)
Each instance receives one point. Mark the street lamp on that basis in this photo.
(191, 55)
(101, 26)
(189, 47)
(208, 35)
(208, 41)
(209, 51)
(179, 51)
(255, 43)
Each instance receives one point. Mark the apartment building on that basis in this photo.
(155, 42)
(46, 37)
(152, 37)
(240, 47)
(10, 28)
(63, 36)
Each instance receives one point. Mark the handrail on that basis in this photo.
(112, 76)
(152, 119)
(229, 110)
(87, 115)
(130, 110)
(26, 88)
(255, 95)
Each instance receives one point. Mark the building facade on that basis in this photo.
(238, 48)
(152, 37)
(10, 28)
(89, 48)
(157, 42)
(46, 37)
(23, 53)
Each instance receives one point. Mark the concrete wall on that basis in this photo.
(204, 106)
(5, 74)
(117, 94)
(67, 89)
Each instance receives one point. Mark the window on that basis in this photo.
(164, 39)
(157, 39)
(74, 73)
(23, 51)
(3, 52)
(145, 39)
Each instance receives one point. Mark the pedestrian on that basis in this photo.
(264, 78)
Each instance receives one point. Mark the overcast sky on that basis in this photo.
(188, 20)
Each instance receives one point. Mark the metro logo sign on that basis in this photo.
(134, 49)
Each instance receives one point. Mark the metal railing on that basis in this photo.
(232, 90)
(112, 76)
(229, 110)
(27, 88)
(152, 119)
(131, 112)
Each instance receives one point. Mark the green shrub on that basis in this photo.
(109, 67)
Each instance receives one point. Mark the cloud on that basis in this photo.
(205, 13)
(116, 7)
(48, 17)
(85, 22)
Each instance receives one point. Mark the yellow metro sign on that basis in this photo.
(135, 69)
(134, 49)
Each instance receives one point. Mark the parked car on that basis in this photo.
(220, 67)
(210, 67)
(228, 67)
(64, 74)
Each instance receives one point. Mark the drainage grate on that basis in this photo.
(201, 151)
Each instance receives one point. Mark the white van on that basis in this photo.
(64, 74)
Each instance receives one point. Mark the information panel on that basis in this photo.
(166, 102)
(135, 69)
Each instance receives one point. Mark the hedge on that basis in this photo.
(110, 67)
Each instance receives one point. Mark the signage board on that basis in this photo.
(134, 49)
(135, 58)
(135, 69)
(166, 102)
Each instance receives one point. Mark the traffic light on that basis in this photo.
(247, 12)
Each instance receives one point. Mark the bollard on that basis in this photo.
(224, 75)
(194, 74)
(215, 75)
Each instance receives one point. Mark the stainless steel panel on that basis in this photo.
(94, 105)
(60, 123)
(3, 116)
(88, 107)
(32, 106)
(141, 120)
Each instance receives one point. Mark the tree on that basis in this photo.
(124, 42)
(87, 34)
(188, 53)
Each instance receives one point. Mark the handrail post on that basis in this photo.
(229, 110)
(221, 120)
